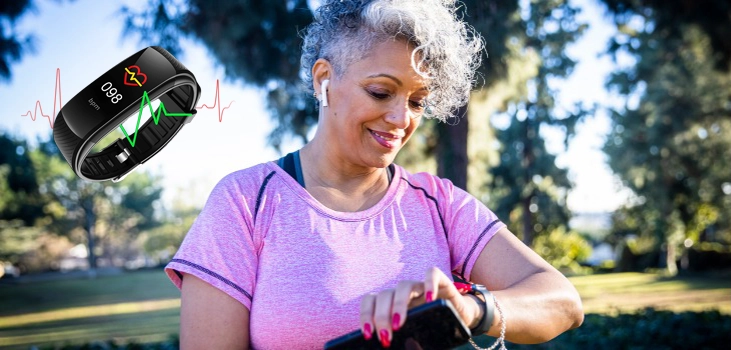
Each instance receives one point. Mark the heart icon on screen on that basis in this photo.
(133, 75)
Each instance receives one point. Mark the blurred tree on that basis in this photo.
(12, 47)
(671, 141)
(163, 241)
(25, 240)
(455, 144)
(31, 248)
(12, 44)
(110, 216)
(528, 187)
(17, 181)
(564, 250)
(16, 239)
(670, 18)
(52, 208)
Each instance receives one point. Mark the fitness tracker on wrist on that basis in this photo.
(488, 310)
(125, 91)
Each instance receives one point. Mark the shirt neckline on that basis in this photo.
(374, 210)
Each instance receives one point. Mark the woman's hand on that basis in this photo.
(385, 312)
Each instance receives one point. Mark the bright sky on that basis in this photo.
(83, 39)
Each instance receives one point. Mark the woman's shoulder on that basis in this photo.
(247, 179)
(431, 184)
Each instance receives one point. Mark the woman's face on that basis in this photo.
(374, 107)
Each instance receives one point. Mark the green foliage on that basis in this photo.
(17, 181)
(20, 174)
(564, 250)
(671, 142)
(671, 18)
(172, 344)
(16, 239)
(12, 47)
(6, 194)
(163, 241)
(646, 329)
(30, 248)
(58, 209)
(528, 187)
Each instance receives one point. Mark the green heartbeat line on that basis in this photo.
(155, 116)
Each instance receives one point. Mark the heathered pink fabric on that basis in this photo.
(302, 268)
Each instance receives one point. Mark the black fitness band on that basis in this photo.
(120, 93)
(488, 310)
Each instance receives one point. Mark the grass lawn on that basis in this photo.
(144, 306)
(141, 306)
(627, 292)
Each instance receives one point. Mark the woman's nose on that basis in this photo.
(399, 115)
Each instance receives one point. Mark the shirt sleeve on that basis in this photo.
(469, 224)
(220, 247)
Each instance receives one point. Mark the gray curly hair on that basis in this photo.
(447, 51)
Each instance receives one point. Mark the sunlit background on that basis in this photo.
(85, 39)
(634, 207)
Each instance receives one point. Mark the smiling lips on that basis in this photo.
(385, 139)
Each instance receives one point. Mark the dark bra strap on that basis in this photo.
(293, 166)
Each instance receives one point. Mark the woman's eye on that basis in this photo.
(378, 95)
(417, 104)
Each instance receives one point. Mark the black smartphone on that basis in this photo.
(434, 325)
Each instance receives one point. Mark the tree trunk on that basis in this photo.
(527, 222)
(452, 159)
(670, 258)
(527, 175)
(89, 223)
(666, 226)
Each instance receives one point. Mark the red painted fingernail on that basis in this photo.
(385, 341)
(463, 287)
(396, 321)
(367, 332)
(429, 296)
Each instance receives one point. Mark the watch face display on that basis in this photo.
(116, 90)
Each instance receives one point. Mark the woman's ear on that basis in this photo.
(322, 70)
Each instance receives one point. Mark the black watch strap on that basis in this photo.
(488, 309)
(119, 158)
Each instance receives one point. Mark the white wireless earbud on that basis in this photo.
(323, 91)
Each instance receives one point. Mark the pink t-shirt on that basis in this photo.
(302, 268)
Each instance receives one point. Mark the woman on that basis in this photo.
(334, 237)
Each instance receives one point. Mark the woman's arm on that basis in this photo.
(210, 318)
(539, 303)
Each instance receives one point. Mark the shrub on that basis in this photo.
(645, 329)
(564, 250)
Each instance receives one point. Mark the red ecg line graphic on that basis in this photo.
(56, 92)
(217, 102)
